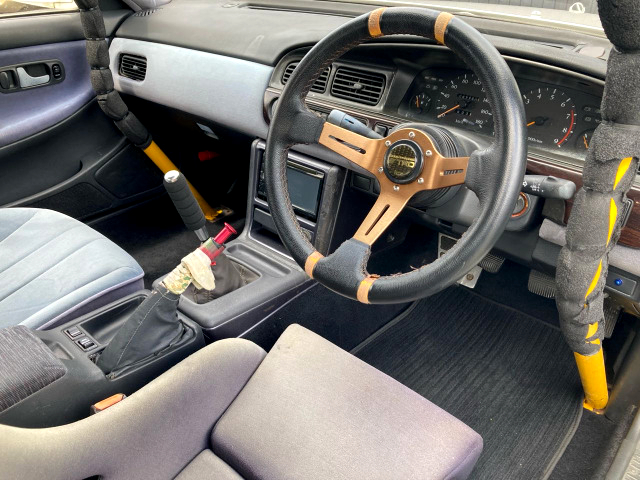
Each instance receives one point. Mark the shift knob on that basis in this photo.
(178, 189)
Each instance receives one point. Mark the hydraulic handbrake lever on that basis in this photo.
(178, 189)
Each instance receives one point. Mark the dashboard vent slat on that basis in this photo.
(145, 13)
(320, 85)
(133, 67)
(358, 85)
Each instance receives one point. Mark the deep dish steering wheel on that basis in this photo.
(405, 162)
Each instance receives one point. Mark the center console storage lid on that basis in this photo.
(28, 365)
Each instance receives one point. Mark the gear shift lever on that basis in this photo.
(227, 275)
(154, 325)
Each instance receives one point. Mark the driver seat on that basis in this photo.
(54, 268)
(307, 410)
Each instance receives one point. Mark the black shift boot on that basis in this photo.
(152, 327)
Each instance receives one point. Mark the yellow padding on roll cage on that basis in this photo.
(594, 282)
(622, 169)
(613, 216)
(594, 380)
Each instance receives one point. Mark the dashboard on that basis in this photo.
(429, 84)
(233, 57)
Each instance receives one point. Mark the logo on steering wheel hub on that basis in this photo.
(403, 162)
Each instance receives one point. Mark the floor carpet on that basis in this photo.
(505, 374)
(153, 234)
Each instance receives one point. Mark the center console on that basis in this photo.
(57, 374)
(315, 189)
(73, 349)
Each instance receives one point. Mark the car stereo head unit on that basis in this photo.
(315, 190)
(305, 188)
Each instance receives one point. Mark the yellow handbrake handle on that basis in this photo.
(110, 100)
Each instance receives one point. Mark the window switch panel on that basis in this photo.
(73, 332)
(86, 343)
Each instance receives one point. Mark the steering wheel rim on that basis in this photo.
(494, 174)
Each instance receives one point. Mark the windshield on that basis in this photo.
(567, 14)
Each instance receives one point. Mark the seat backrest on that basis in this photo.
(153, 433)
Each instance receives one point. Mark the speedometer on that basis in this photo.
(463, 102)
(551, 117)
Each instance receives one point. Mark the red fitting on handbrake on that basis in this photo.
(224, 234)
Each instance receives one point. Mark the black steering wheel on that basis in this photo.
(405, 162)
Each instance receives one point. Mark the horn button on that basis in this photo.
(403, 162)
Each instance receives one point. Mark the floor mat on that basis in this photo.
(507, 375)
(154, 234)
(338, 319)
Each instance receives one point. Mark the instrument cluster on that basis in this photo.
(559, 119)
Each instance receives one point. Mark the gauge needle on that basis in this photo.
(417, 102)
(538, 121)
(444, 113)
(584, 139)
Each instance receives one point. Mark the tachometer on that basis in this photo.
(463, 102)
(551, 117)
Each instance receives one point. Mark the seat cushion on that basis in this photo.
(53, 267)
(314, 411)
(206, 466)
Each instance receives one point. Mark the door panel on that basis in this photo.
(57, 148)
(31, 110)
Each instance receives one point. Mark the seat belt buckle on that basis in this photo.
(107, 402)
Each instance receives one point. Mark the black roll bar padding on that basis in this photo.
(109, 99)
(609, 171)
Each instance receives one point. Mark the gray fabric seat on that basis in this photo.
(54, 268)
(308, 410)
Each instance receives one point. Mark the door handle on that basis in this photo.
(27, 80)
(23, 76)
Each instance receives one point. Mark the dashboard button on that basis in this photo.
(381, 129)
(361, 182)
(621, 283)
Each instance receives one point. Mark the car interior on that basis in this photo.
(319, 239)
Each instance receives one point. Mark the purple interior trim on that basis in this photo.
(67, 315)
(27, 112)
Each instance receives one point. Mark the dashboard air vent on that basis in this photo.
(358, 85)
(320, 85)
(133, 67)
(145, 13)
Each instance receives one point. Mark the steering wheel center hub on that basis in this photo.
(403, 162)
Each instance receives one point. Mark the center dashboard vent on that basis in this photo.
(133, 67)
(145, 13)
(358, 85)
(320, 85)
